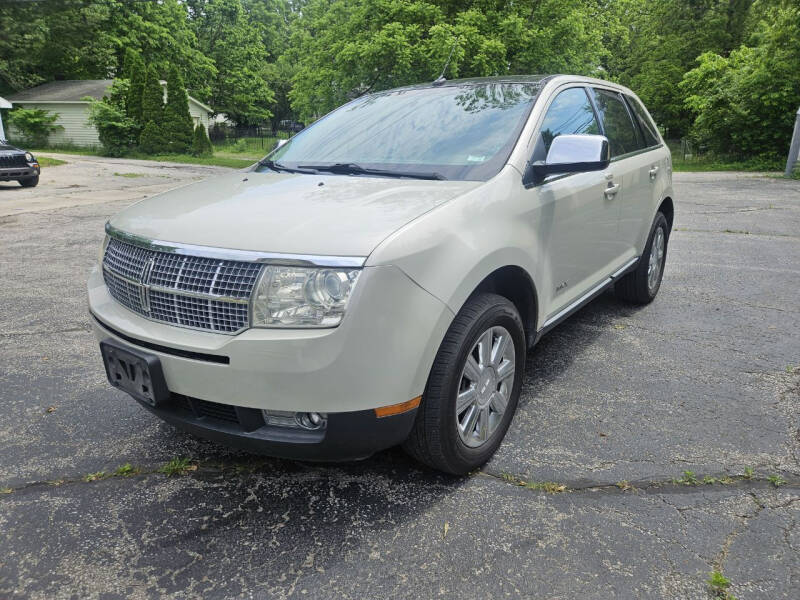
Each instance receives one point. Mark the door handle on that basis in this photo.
(611, 190)
(653, 172)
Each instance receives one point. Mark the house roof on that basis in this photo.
(74, 90)
(70, 90)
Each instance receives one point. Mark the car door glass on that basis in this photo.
(648, 129)
(570, 112)
(619, 129)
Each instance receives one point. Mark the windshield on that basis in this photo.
(463, 132)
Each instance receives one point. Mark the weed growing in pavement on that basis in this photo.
(546, 486)
(749, 473)
(719, 585)
(689, 478)
(177, 466)
(126, 470)
(624, 485)
(708, 480)
(776, 480)
(95, 476)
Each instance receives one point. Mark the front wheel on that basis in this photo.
(641, 285)
(473, 387)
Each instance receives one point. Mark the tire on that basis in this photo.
(437, 437)
(636, 287)
(29, 182)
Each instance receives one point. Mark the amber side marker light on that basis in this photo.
(396, 409)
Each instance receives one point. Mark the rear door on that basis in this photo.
(650, 170)
(629, 167)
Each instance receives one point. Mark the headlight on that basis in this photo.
(302, 297)
(29, 157)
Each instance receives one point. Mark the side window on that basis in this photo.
(622, 135)
(648, 129)
(570, 112)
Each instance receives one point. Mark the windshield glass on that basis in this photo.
(463, 132)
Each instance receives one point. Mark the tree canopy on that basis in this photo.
(715, 70)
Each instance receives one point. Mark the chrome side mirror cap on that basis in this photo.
(573, 153)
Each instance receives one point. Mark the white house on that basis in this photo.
(65, 99)
(3, 104)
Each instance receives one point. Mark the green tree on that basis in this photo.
(152, 98)
(228, 36)
(151, 141)
(201, 145)
(34, 125)
(178, 126)
(652, 44)
(134, 71)
(744, 104)
(343, 48)
(117, 131)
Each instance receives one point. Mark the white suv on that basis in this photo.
(379, 278)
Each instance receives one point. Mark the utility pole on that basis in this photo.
(794, 149)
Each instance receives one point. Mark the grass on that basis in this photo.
(131, 175)
(177, 466)
(46, 161)
(214, 161)
(228, 160)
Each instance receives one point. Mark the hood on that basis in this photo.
(6, 148)
(289, 213)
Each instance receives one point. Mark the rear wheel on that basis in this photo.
(473, 387)
(29, 182)
(641, 285)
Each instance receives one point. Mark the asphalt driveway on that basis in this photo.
(581, 501)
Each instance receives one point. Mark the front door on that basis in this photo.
(578, 213)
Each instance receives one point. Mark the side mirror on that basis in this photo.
(571, 154)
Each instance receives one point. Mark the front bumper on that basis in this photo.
(380, 355)
(348, 436)
(16, 173)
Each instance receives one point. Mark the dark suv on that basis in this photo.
(18, 165)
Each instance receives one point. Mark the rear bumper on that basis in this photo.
(348, 435)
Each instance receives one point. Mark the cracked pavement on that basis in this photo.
(705, 379)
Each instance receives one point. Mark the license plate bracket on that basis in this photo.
(135, 372)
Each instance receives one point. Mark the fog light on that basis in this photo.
(295, 420)
(311, 420)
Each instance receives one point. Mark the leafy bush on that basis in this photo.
(201, 145)
(34, 125)
(117, 131)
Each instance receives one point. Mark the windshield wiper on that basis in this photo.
(271, 164)
(354, 169)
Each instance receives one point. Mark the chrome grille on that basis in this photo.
(188, 291)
